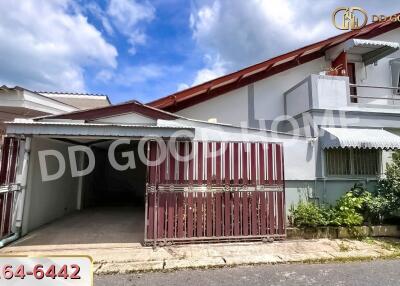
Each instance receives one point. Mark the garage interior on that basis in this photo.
(105, 206)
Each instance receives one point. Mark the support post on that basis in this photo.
(21, 179)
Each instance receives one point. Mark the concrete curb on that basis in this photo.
(133, 258)
(173, 265)
(353, 254)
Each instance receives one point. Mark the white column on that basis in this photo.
(21, 179)
(80, 183)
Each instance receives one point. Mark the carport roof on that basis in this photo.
(79, 128)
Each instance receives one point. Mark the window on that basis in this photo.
(395, 69)
(352, 162)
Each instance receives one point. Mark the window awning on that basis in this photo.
(359, 138)
(370, 51)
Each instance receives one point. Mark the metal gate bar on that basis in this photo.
(220, 191)
(198, 215)
(8, 167)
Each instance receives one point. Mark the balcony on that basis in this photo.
(336, 93)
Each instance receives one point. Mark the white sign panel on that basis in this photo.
(46, 271)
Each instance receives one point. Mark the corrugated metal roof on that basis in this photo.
(19, 121)
(371, 51)
(359, 138)
(71, 128)
(371, 43)
(60, 93)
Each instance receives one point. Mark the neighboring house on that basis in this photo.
(18, 102)
(328, 132)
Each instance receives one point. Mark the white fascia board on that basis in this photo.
(96, 130)
(45, 104)
(206, 131)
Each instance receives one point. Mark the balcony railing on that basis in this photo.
(336, 93)
(374, 94)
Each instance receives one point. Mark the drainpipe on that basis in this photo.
(22, 181)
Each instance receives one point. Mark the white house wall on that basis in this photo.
(227, 108)
(128, 118)
(265, 97)
(268, 93)
(47, 201)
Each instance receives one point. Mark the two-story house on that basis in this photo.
(343, 92)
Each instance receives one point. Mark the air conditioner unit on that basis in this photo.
(395, 69)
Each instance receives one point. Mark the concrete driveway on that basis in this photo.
(90, 226)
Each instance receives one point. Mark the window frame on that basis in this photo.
(352, 165)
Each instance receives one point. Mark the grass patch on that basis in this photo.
(343, 247)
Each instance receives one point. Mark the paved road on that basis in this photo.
(382, 273)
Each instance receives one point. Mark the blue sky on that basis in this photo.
(143, 49)
(169, 53)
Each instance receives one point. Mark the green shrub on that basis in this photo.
(308, 215)
(347, 211)
(388, 189)
(372, 204)
(357, 206)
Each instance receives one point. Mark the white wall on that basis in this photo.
(269, 100)
(227, 108)
(298, 99)
(317, 91)
(47, 201)
(128, 118)
(232, 107)
(331, 92)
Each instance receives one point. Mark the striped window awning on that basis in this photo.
(358, 138)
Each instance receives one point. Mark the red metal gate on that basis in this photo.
(8, 188)
(215, 190)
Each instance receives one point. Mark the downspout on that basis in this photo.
(22, 181)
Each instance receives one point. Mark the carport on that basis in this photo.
(106, 205)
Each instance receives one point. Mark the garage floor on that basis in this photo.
(91, 226)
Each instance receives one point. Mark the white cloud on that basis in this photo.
(242, 33)
(101, 15)
(215, 67)
(48, 45)
(131, 75)
(182, 86)
(127, 15)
